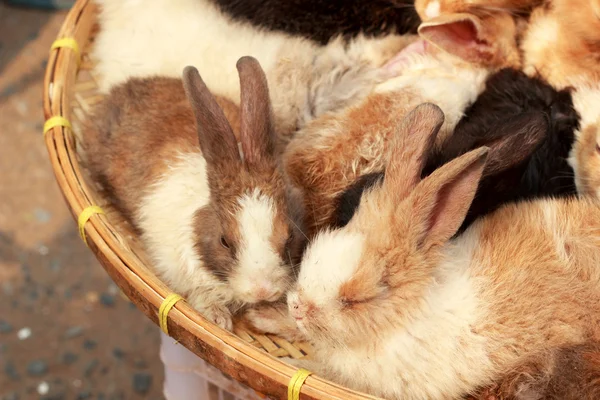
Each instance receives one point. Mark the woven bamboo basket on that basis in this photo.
(70, 91)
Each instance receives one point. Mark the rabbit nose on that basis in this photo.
(297, 311)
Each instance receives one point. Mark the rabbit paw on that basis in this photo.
(220, 316)
(274, 319)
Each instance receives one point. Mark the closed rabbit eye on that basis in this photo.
(598, 147)
(224, 242)
(350, 302)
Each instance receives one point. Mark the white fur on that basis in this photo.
(141, 38)
(260, 266)
(551, 219)
(161, 37)
(586, 101)
(435, 356)
(318, 276)
(433, 9)
(166, 216)
(541, 33)
(441, 79)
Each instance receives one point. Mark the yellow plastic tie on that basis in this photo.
(164, 309)
(69, 43)
(55, 121)
(296, 383)
(85, 215)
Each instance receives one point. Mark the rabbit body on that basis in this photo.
(329, 154)
(305, 78)
(322, 20)
(563, 373)
(448, 67)
(562, 43)
(403, 312)
(217, 228)
(530, 129)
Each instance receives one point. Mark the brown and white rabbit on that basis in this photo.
(402, 312)
(585, 154)
(219, 226)
(329, 154)
(562, 43)
(161, 37)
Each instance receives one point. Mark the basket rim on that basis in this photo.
(227, 352)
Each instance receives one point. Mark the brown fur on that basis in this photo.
(333, 151)
(346, 148)
(126, 152)
(566, 373)
(586, 152)
(562, 43)
(329, 154)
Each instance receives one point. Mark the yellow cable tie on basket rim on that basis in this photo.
(69, 43)
(57, 120)
(164, 309)
(296, 383)
(85, 215)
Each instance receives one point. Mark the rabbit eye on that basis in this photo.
(348, 303)
(290, 240)
(224, 242)
(598, 147)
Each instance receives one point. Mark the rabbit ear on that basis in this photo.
(517, 140)
(440, 202)
(256, 130)
(217, 140)
(460, 34)
(409, 148)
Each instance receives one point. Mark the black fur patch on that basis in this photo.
(321, 20)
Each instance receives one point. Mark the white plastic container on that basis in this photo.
(188, 377)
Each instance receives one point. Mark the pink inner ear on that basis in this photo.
(460, 38)
(395, 65)
(463, 31)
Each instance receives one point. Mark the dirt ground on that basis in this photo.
(65, 332)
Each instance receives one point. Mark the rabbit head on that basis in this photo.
(246, 234)
(356, 282)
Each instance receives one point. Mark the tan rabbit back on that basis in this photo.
(538, 264)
